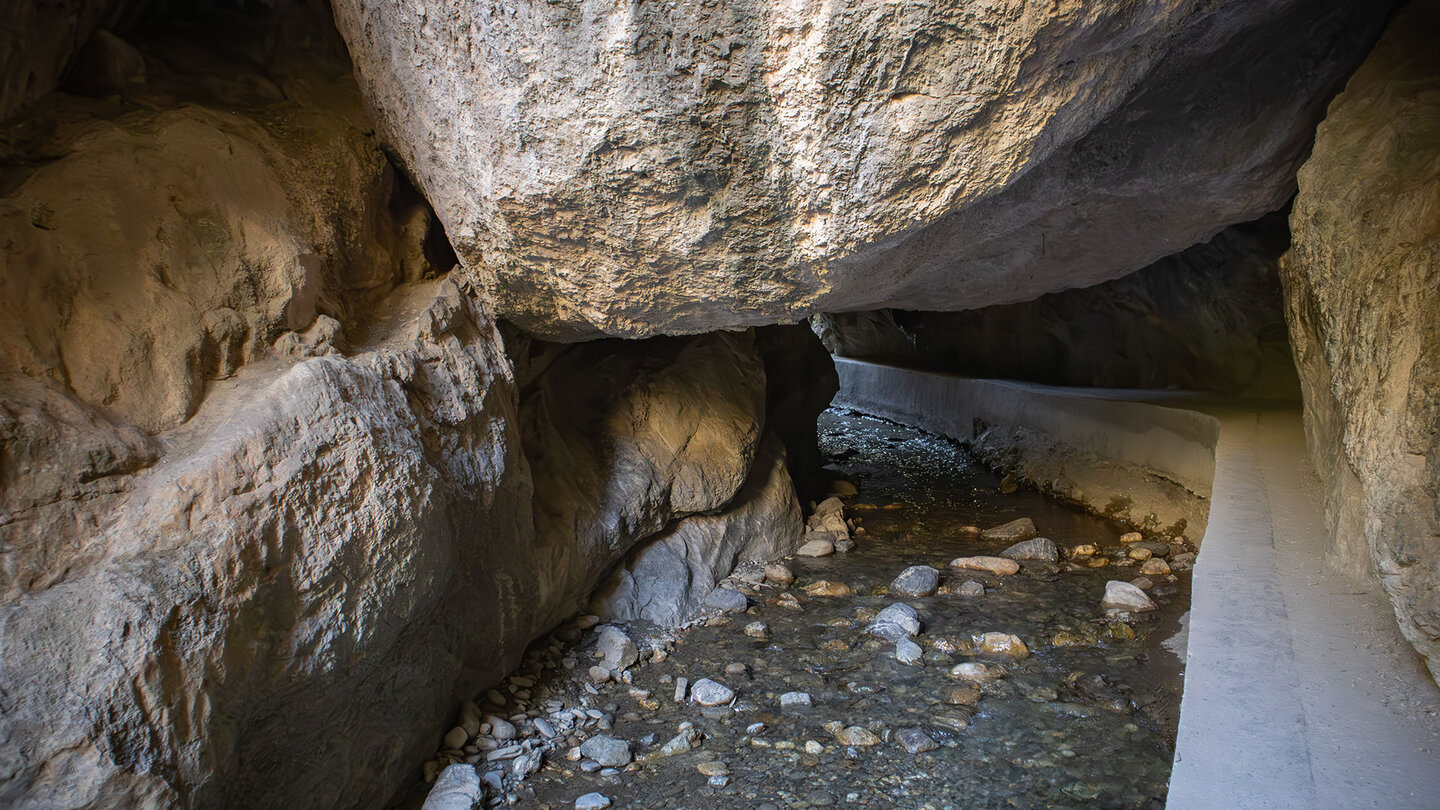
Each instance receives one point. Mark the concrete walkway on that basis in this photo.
(1299, 690)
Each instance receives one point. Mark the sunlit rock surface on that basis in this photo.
(1363, 281)
(618, 169)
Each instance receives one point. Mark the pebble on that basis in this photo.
(917, 580)
(813, 747)
(1003, 644)
(1143, 583)
(825, 587)
(1124, 596)
(970, 588)
(1036, 548)
(599, 674)
(857, 736)
(1141, 554)
(779, 574)
(500, 728)
(456, 737)
(1012, 532)
(711, 693)
(758, 630)
(845, 546)
(592, 801)
(818, 547)
(908, 652)
(755, 728)
(895, 622)
(1131, 537)
(999, 566)
(737, 670)
(1155, 567)
(968, 695)
(727, 600)
(916, 741)
(713, 768)
(608, 751)
(794, 699)
(543, 726)
(682, 688)
(1086, 550)
(974, 671)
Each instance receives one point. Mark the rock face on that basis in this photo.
(624, 437)
(667, 578)
(1209, 318)
(619, 170)
(1361, 281)
(290, 579)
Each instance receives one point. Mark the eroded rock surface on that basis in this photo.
(633, 170)
(668, 578)
(1210, 318)
(1363, 287)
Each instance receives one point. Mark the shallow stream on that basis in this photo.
(1087, 719)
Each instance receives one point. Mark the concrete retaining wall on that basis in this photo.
(1145, 464)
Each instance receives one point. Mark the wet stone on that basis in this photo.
(915, 740)
(1036, 548)
(1012, 532)
(908, 652)
(970, 588)
(1123, 596)
(727, 600)
(917, 580)
(999, 566)
(592, 801)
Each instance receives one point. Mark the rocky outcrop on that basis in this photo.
(634, 170)
(667, 578)
(1361, 283)
(288, 595)
(1210, 318)
(625, 437)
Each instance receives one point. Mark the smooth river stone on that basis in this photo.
(999, 566)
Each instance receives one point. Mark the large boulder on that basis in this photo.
(667, 578)
(624, 437)
(623, 169)
(1363, 287)
(1208, 318)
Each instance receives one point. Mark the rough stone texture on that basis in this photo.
(457, 788)
(1208, 318)
(630, 170)
(1361, 281)
(285, 596)
(623, 437)
(667, 578)
(917, 580)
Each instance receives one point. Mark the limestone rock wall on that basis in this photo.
(1210, 318)
(1363, 289)
(665, 579)
(289, 596)
(619, 169)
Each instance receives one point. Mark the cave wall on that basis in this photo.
(630, 170)
(1210, 318)
(1363, 300)
(273, 497)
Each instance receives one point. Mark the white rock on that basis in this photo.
(456, 788)
(1125, 597)
(711, 693)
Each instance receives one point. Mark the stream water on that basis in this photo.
(1087, 719)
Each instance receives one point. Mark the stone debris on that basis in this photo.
(896, 622)
(456, 788)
